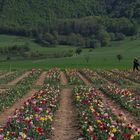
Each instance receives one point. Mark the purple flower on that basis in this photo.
(1, 136)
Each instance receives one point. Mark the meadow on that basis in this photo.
(99, 58)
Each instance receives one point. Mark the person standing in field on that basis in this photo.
(136, 64)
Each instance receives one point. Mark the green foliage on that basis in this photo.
(39, 11)
(30, 17)
(87, 58)
(119, 57)
(119, 36)
(78, 51)
(70, 22)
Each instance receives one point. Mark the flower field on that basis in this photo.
(123, 96)
(10, 77)
(97, 121)
(89, 105)
(53, 76)
(34, 119)
(133, 76)
(73, 78)
(10, 96)
(2, 72)
(93, 76)
(115, 78)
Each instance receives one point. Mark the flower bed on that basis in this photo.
(124, 97)
(73, 77)
(34, 120)
(53, 76)
(99, 122)
(2, 72)
(93, 76)
(9, 97)
(115, 78)
(133, 76)
(10, 77)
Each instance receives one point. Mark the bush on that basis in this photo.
(112, 36)
(119, 36)
(119, 57)
(72, 39)
(103, 37)
(95, 43)
(78, 51)
(8, 58)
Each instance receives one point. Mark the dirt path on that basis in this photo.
(63, 79)
(6, 74)
(114, 106)
(41, 79)
(14, 82)
(2, 90)
(65, 124)
(7, 112)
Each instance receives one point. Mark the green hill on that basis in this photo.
(98, 58)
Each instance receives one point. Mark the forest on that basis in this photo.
(89, 23)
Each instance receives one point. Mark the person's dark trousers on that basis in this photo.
(135, 68)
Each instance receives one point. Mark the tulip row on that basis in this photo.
(10, 96)
(10, 77)
(115, 78)
(34, 120)
(136, 90)
(133, 76)
(135, 73)
(93, 76)
(53, 76)
(99, 122)
(73, 77)
(2, 72)
(124, 97)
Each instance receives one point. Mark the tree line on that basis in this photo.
(87, 32)
(93, 31)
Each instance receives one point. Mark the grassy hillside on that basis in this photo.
(98, 58)
(7, 41)
(34, 48)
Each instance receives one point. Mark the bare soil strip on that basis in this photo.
(114, 106)
(8, 73)
(63, 79)
(84, 79)
(14, 82)
(65, 124)
(9, 111)
(2, 90)
(41, 79)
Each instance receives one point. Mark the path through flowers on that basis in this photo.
(69, 105)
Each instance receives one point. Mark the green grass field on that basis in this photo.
(99, 58)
